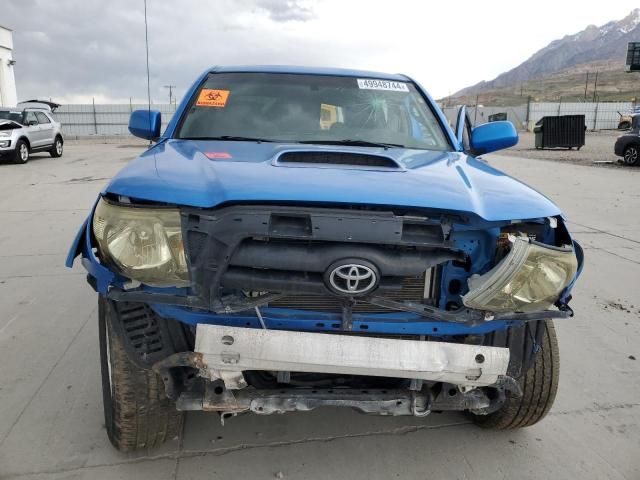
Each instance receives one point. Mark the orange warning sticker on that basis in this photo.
(212, 98)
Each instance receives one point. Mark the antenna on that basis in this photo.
(146, 41)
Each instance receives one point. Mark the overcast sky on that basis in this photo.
(73, 50)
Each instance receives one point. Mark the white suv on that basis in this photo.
(29, 130)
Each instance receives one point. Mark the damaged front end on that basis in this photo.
(413, 305)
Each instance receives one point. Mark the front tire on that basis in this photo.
(631, 155)
(58, 146)
(137, 413)
(539, 386)
(21, 155)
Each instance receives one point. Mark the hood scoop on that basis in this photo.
(328, 159)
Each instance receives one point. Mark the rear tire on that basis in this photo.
(21, 154)
(137, 413)
(631, 155)
(539, 386)
(56, 151)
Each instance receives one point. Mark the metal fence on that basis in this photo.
(88, 119)
(516, 115)
(598, 115)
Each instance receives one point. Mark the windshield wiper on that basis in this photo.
(355, 143)
(230, 138)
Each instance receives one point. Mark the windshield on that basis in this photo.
(312, 109)
(9, 115)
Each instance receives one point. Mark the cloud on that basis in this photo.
(74, 50)
(286, 10)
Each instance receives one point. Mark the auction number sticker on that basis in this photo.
(372, 84)
(212, 98)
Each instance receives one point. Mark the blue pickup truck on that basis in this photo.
(298, 238)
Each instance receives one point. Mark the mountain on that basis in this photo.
(603, 46)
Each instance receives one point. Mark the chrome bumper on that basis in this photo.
(228, 351)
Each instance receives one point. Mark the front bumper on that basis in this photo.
(226, 350)
(7, 145)
(223, 355)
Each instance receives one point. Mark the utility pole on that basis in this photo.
(170, 87)
(586, 85)
(475, 110)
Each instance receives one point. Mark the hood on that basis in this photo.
(9, 125)
(209, 173)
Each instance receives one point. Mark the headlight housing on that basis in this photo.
(5, 133)
(529, 278)
(144, 244)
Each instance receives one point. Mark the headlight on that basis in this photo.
(5, 133)
(529, 278)
(145, 244)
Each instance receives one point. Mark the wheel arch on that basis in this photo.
(25, 140)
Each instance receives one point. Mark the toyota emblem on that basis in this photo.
(353, 279)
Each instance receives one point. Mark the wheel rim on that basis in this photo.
(631, 155)
(58, 147)
(24, 153)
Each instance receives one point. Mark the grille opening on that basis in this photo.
(337, 158)
(411, 289)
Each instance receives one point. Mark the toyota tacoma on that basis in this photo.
(298, 238)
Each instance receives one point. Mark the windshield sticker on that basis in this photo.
(371, 84)
(212, 98)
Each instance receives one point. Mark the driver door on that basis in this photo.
(463, 129)
(32, 128)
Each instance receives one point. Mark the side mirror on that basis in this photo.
(31, 123)
(490, 137)
(145, 124)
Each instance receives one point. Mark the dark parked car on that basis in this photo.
(627, 145)
(303, 237)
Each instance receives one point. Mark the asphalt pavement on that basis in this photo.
(51, 423)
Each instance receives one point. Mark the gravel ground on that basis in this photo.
(598, 147)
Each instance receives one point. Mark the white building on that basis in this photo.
(8, 95)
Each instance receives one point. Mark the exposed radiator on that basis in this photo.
(412, 289)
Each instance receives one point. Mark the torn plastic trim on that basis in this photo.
(82, 246)
(565, 296)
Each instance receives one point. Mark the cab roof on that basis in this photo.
(343, 72)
